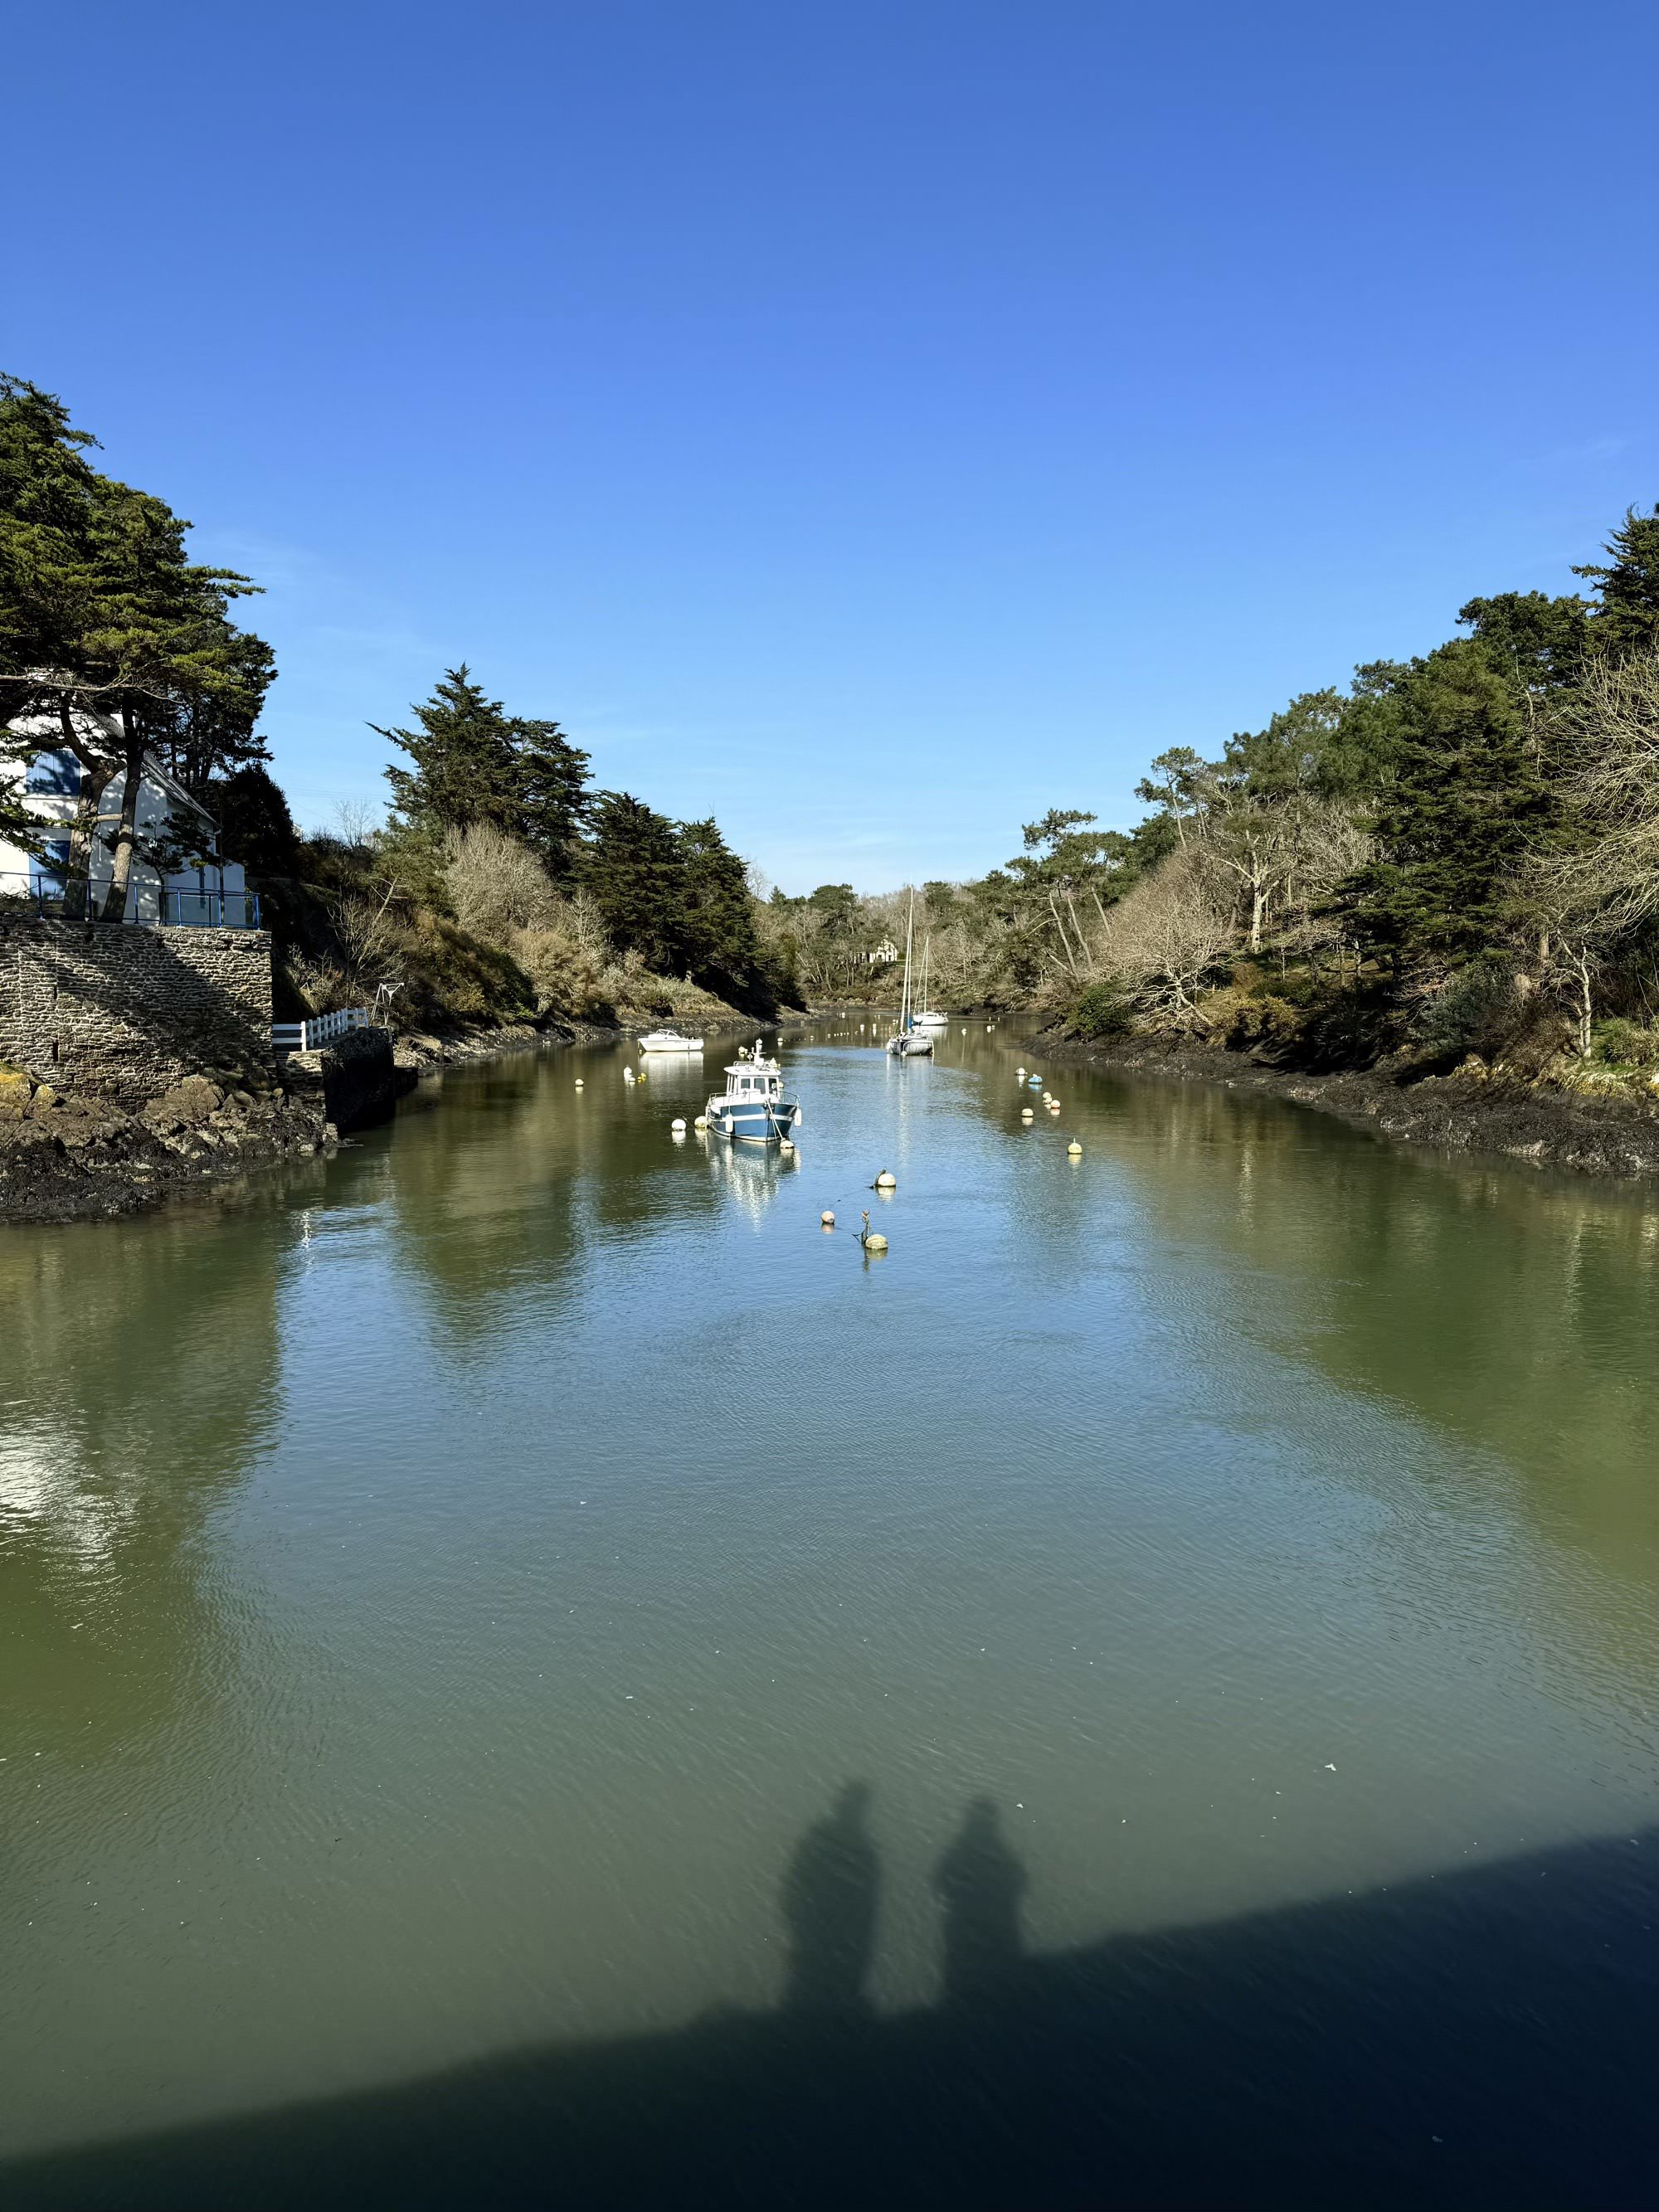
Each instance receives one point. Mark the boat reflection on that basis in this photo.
(752, 1175)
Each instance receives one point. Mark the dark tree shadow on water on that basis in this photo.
(830, 1898)
(1483, 2039)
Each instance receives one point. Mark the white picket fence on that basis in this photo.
(305, 1036)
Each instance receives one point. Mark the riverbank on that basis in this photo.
(70, 1155)
(74, 1153)
(1613, 1133)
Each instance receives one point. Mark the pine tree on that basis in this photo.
(553, 805)
(1625, 618)
(465, 764)
(106, 622)
(719, 919)
(1468, 802)
(634, 867)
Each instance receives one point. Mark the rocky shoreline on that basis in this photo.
(1612, 1134)
(79, 1155)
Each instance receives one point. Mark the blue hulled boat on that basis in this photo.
(753, 1107)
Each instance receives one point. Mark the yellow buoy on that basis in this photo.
(702, 1121)
(786, 1144)
(1074, 1148)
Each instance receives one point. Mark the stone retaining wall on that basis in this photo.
(128, 1012)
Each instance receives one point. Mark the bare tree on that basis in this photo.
(1607, 734)
(1166, 934)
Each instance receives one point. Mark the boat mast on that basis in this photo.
(909, 940)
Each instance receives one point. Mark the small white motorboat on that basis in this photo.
(669, 1041)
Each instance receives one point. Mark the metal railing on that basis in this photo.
(47, 892)
(305, 1036)
(209, 910)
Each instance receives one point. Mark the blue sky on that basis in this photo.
(874, 424)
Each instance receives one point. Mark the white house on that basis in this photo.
(214, 895)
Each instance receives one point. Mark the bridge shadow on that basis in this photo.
(1481, 2038)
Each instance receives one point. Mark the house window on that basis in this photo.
(47, 875)
(55, 776)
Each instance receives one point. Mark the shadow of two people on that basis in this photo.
(831, 1897)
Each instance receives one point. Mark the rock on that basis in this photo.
(188, 1105)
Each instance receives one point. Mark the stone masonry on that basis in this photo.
(126, 1012)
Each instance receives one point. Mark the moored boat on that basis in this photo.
(909, 1039)
(669, 1041)
(752, 1107)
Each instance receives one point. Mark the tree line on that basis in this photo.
(1453, 852)
(501, 881)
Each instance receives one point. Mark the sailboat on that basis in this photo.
(907, 1041)
(926, 1017)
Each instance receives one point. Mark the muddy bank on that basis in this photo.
(1616, 1133)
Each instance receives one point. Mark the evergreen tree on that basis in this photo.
(1467, 802)
(635, 870)
(106, 622)
(719, 919)
(255, 826)
(465, 764)
(1625, 618)
(552, 801)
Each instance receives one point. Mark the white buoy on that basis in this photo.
(579, 1083)
(1027, 1114)
(1019, 1070)
(887, 1180)
(628, 1075)
(679, 1128)
(827, 1218)
(1074, 1148)
(786, 1145)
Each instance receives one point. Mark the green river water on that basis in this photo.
(532, 1673)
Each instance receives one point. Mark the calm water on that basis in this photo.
(1151, 1685)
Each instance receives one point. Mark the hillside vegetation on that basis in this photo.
(1453, 860)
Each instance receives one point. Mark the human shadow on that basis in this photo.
(979, 1882)
(830, 1896)
(1482, 2038)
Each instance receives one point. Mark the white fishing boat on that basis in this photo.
(908, 1042)
(752, 1107)
(669, 1041)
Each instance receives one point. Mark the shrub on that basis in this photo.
(1624, 1043)
(1266, 1021)
(1477, 1011)
(1101, 1011)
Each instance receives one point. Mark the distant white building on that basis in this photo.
(212, 895)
